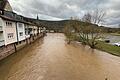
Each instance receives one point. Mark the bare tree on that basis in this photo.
(91, 32)
(88, 31)
(98, 16)
(69, 30)
(87, 18)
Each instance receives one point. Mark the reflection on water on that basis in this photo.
(52, 59)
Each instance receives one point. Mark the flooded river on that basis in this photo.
(52, 59)
(112, 38)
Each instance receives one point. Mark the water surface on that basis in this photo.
(52, 59)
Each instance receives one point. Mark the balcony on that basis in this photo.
(1, 42)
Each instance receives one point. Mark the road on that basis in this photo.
(51, 58)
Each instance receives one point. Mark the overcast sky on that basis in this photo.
(64, 9)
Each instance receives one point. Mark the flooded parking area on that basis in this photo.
(51, 58)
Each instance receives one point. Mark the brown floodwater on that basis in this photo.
(51, 58)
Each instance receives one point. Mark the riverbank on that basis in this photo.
(114, 50)
(115, 34)
(102, 46)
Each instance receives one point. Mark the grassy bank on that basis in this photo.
(115, 50)
(115, 34)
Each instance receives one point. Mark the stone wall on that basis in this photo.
(6, 51)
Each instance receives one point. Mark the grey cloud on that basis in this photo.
(64, 9)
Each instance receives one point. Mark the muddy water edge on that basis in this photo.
(51, 58)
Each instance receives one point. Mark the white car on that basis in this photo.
(117, 44)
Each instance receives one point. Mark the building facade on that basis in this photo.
(20, 31)
(15, 30)
(9, 32)
(1, 33)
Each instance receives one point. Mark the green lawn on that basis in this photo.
(115, 50)
(115, 34)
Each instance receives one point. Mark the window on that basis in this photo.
(21, 33)
(0, 12)
(10, 35)
(20, 25)
(6, 24)
(9, 24)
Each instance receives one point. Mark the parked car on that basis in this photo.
(117, 44)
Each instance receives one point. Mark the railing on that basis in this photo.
(1, 42)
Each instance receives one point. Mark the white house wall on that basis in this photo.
(35, 30)
(1, 22)
(20, 31)
(9, 32)
(1, 33)
(27, 35)
(1, 37)
(32, 27)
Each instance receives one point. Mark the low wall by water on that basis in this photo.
(6, 51)
(12, 48)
